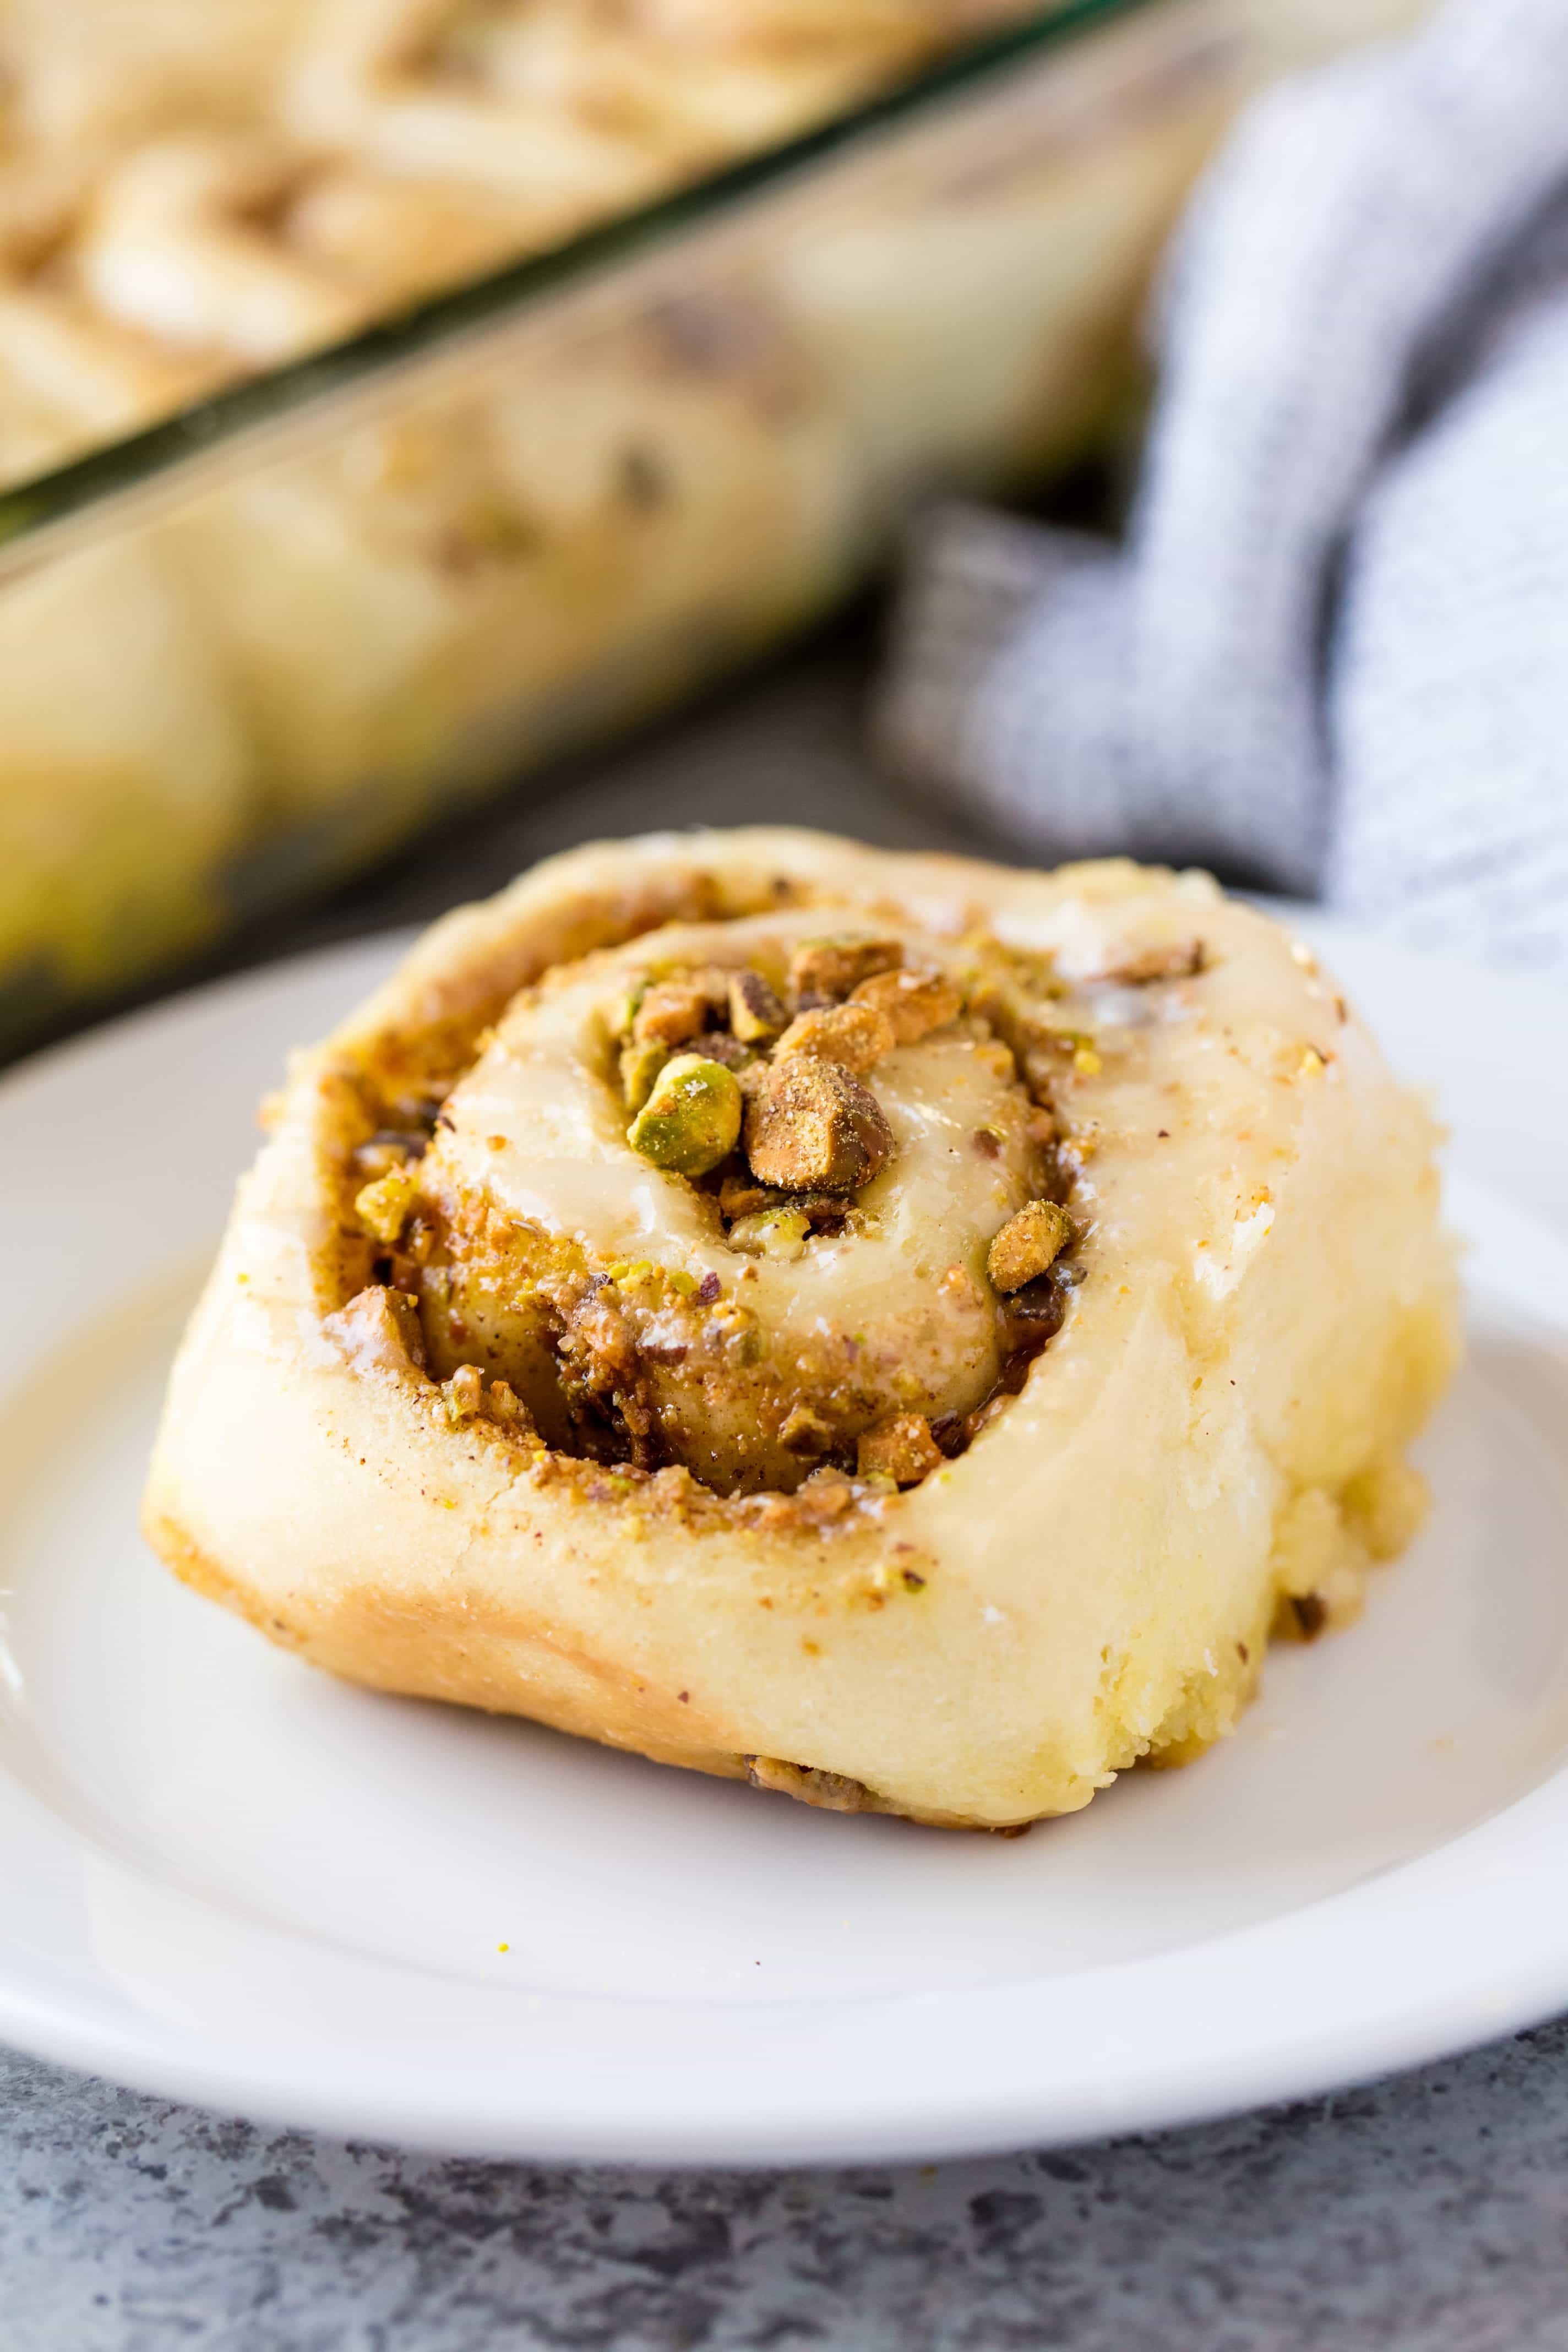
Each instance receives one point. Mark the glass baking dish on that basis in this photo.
(246, 651)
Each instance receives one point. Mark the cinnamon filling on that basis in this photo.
(795, 1104)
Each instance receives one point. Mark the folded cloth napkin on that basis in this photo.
(1332, 657)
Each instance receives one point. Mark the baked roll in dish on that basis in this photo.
(897, 1329)
(193, 190)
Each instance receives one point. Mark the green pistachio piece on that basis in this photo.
(383, 1208)
(771, 1232)
(691, 1118)
(640, 1064)
(622, 1011)
(755, 1012)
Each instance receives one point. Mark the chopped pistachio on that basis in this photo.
(814, 1127)
(383, 1207)
(673, 1012)
(994, 999)
(463, 1394)
(623, 1011)
(507, 1407)
(741, 1196)
(858, 1035)
(640, 1064)
(901, 1447)
(820, 1209)
(735, 1330)
(1037, 1035)
(1034, 968)
(1022, 973)
(755, 1011)
(632, 1272)
(691, 1120)
(805, 1431)
(771, 1232)
(915, 1003)
(379, 1329)
(829, 969)
(1027, 1245)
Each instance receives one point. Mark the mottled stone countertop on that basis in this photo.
(1429, 2214)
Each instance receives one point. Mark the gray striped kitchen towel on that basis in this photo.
(1331, 655)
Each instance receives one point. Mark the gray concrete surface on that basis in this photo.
(1426, 2215)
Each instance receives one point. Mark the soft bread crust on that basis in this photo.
(1267, 1316)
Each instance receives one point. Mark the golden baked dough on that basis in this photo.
(899, 1330)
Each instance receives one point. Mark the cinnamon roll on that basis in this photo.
(899, 1331)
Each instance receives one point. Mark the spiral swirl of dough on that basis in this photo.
(633, 1316)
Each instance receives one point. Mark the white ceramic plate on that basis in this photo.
(227, 1878)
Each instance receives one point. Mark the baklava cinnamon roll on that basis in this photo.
(899, 1331)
